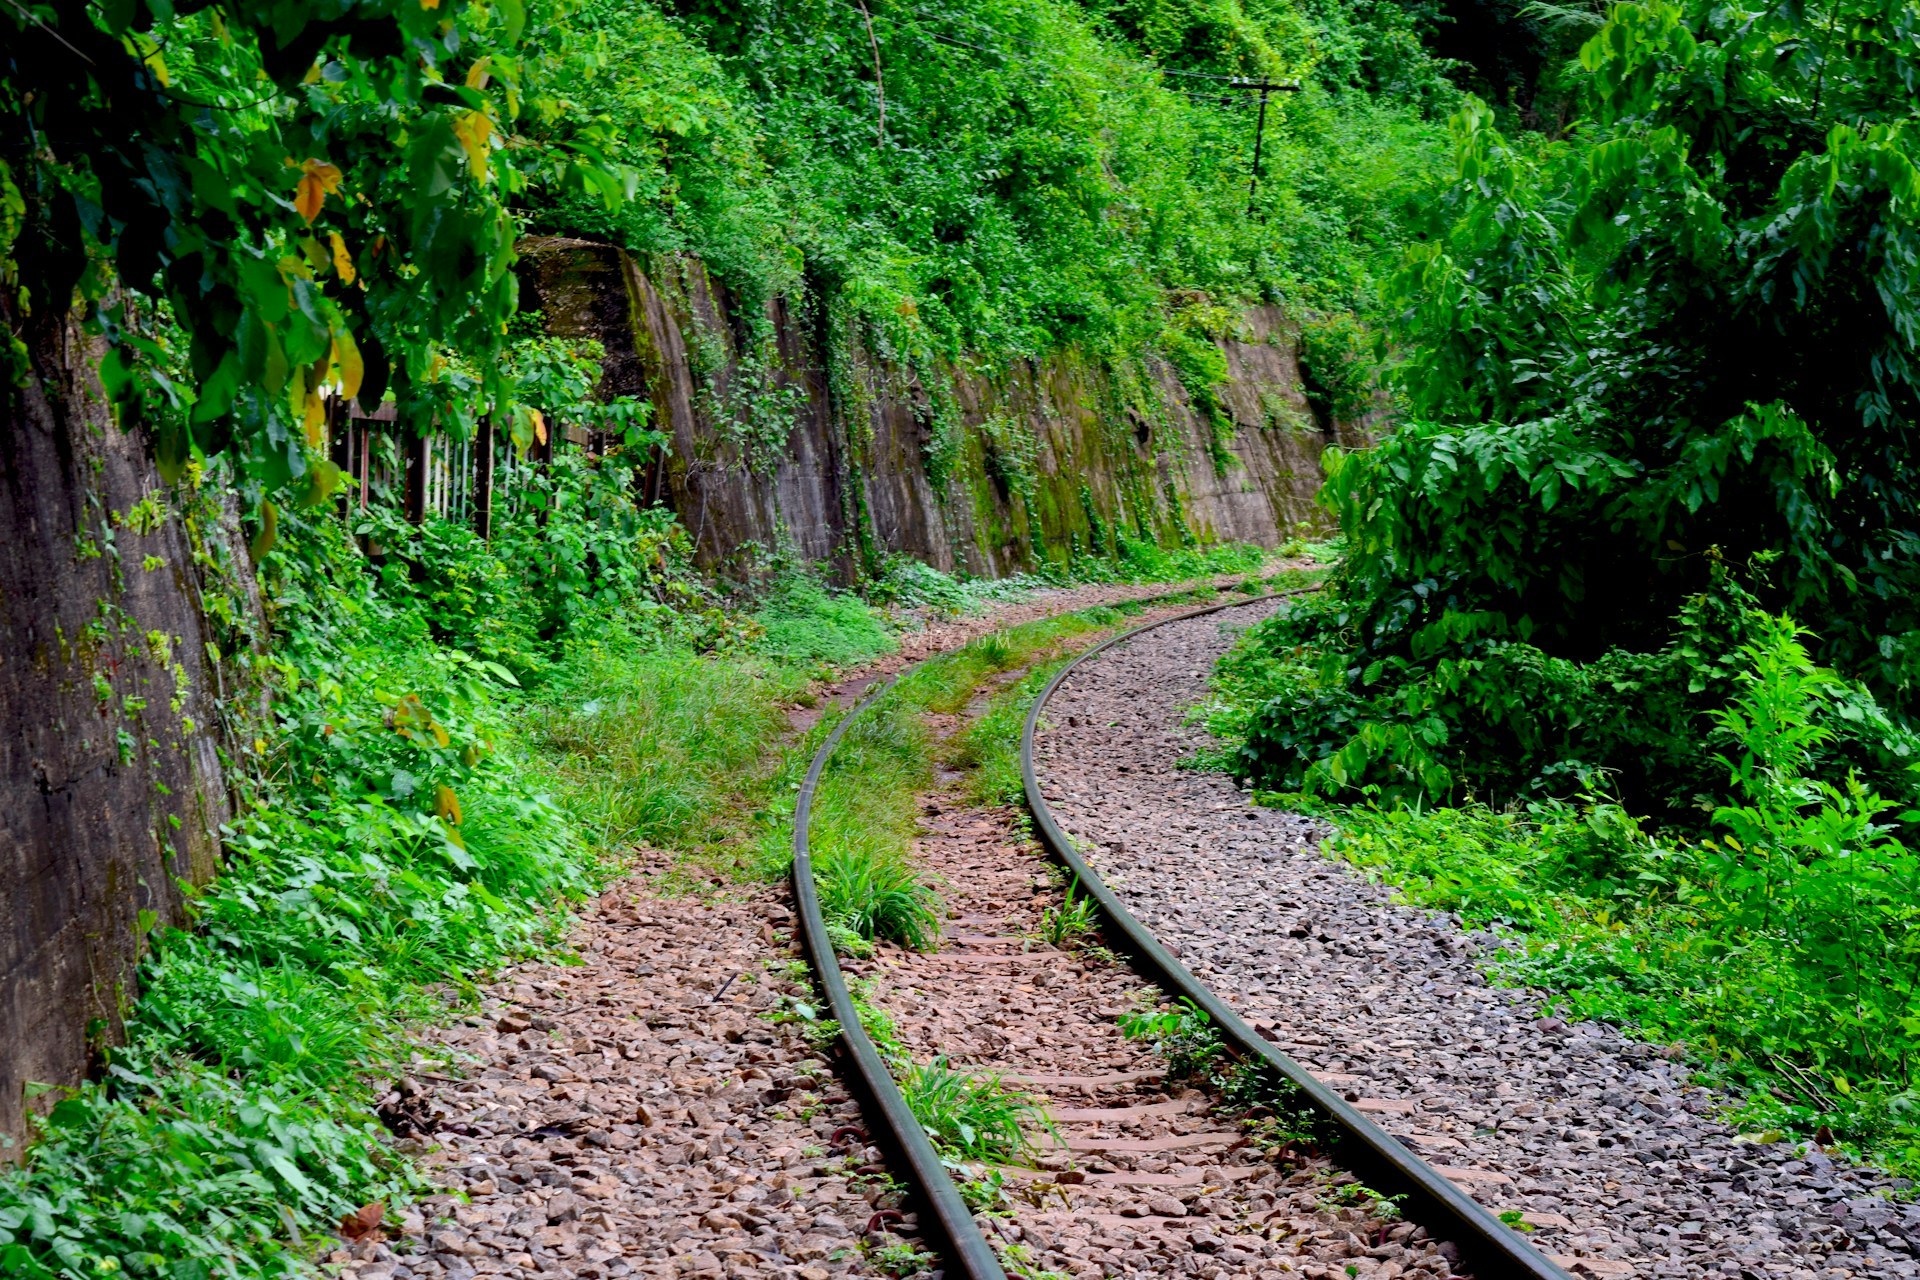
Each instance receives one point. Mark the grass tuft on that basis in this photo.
(974, 1117)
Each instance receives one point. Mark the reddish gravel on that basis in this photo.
(1145, 1179)
(637, 1115)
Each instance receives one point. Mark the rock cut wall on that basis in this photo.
(111, 789)
(985, 471)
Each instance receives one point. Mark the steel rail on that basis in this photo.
(1488, 1247)
(893, 1122)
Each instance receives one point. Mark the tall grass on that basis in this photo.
(662, 747)
(865, 815)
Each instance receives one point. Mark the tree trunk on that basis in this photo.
(111, 789)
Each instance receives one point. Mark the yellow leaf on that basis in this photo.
(297, 391)
(475, 131)
(539, 425)
(328, 175)
(309, 197)
(316, 420)
(477, 73)
(262, 543)
(318, 180)
(346, 358)
(447, 804)
(342, 260)
(429, 4)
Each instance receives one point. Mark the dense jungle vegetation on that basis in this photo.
(443, 740)
(1621, 654)
(1622, 651)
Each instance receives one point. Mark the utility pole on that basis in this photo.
(1260, 128)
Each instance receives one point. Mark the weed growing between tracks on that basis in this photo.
(1270, 1107)
(866, 810)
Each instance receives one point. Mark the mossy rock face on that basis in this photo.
(113, 784)
(1034, 463)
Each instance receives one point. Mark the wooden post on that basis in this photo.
(483, 477)
(416, 453)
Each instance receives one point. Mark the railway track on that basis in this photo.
(1612, 1148)
(1144, 1171)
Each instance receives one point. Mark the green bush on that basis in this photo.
(1476, 711)
(1781, 944)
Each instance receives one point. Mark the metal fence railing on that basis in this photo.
(464, 481)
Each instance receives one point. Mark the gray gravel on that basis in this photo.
(1603, 1142)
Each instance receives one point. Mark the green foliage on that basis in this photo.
(1475, 710)
(571, 550)
(1337, 368)
(1005, 180)
(1277, 1118)
(1070, 922)
(1782, 944)
(311, 194)
(971, 1117)
(1683, 338)
(183, 1171)
(1184, 1034)
(873, 896)
(1191, 348)
(990, 746)
(804, 622)
(905, 582)
(863, 823)
(659, 746)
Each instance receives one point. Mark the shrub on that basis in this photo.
(1781, 943)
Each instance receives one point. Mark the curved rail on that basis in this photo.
(1487, 1246)
(968, 1252)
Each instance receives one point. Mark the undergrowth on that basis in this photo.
(1775, 936)
(465, 738)
(391, 853)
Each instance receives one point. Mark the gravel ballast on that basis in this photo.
(1141, 1177)
(638, 1115)
(1606, 1145)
